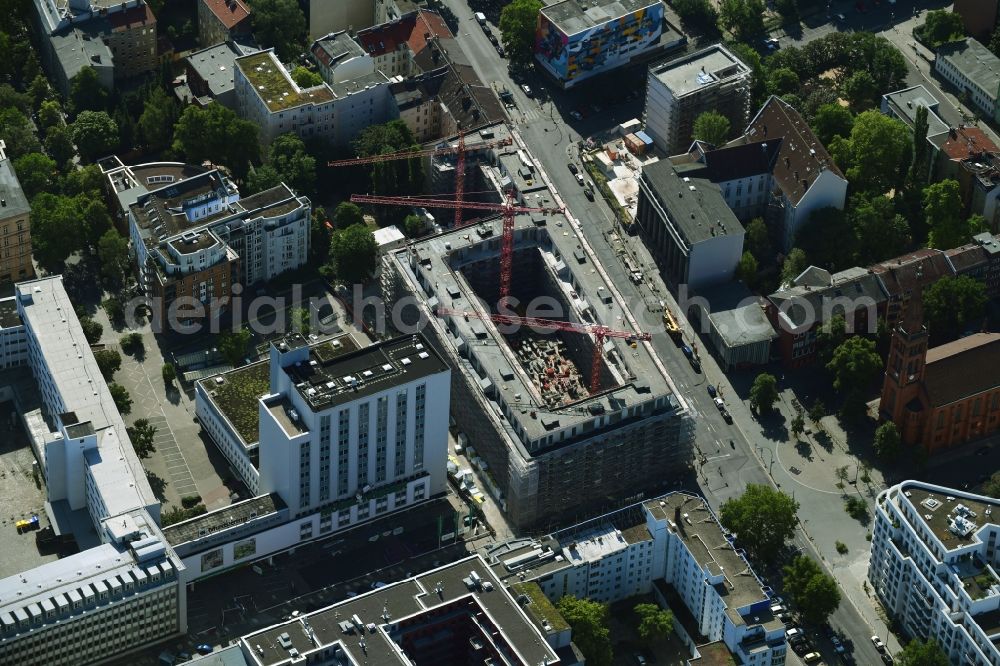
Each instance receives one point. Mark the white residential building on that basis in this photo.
(13, 337)
(934, 564)
(677, 91)
(340, 58)
(974, 71)
(267, 96)
(672, 547)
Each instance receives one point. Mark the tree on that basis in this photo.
(654, 622)
(347, 215)
(798, 425)
(142, 433)
(156, 123)
(95, 134)
(952, 304)
(261, 178)
(789, 9)
(881, 232)
(877, 148)
(35, 172)
(517, 29)
(920, 653)
(832, 120)
(92, 330)
(55, 229)
(301, 319)
(353, 254)
(991, 488)
(18, 133)
(827, 239)
(758, 241)
(413, 226)
(281, 24)
(783, 81)
(39, 90)
(216, 133)
(59, 144)
(50, 114)
(94, 214)
(112, 250)
(169, 373)
(86, 92)
(762, 518)
(860, 90)
(743, 18)
(763, 392)
(589, 622)
(854, 365)
(830, 335)
(795, 263)
(288, 156)
(948, 227)
(887, 441)
(698, 16)
(940, 27)
(131, 343)
(711, 127)
(109, 362)
(817, 412)
(123, 401)
(746, 269)
(306, 78)
(233, 346)
(815, 594)
(113, 307)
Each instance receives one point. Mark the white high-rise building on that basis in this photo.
(365, 432)
(934, 565)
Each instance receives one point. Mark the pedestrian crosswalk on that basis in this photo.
(527, 114)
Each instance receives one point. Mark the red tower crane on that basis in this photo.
(506, 239)
(458, 149)
(601, 333)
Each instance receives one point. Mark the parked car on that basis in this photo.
(526, 88)
(726, 416)
(712, 392)
(576, 115)
(572, 168)
(589, 193)
(812, 657)
(377, 585)
(687, 351)
(719, 404)
(886, 657)
(794, 633)
(204, 648)
(877, 642)
(579, 179)
(838, 646)
(501, 52)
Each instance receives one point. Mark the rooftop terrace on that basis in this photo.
(953, 519)
(573, 16)
(275, 86)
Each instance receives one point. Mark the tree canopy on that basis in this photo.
(746, 269)
(142, 433)
(396, 176)
(815, 594)
(95, 134)
(36, 173)
(711, 127)
(952, 305)
(589, 622)
(281, 24)
(233, 346)
(794, 264)
(306, 78)
(873, 156)
(887, 441)
(216, 133)
(764, 392)
(112, 250)
(123, 401)
(517, 29)
(654, 622)
(353, 254)
(55, 229)
(347, 214)
(832, 120)
(880, 231)
(86, 92)
(762, 518)
(109, 361)
(698, 16)
(293, 163)
(743, 18)
(156, 123)
(922, 653)
(947, 226)
(941, 26)
(855, 364)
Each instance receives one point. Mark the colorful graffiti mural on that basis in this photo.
(573, 58)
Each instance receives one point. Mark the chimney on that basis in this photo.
(796, 175)
(788, 161)
(765, 129)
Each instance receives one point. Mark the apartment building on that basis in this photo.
(671, 547)
(106, 601)
(974, 71)
(116, 38)
(679, 90)
(210, 75)
(395, 45)
(695, 236)
(324, 17)
(267, 96)
(194, 237)
(15, 225)
(934, 565)
(222, 20)
(576, 40)
(13, 337)
(340, 58)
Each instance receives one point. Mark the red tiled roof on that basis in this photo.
(963, 368)
(964, 142)
(229, 12)
(412, 28)
(801, 157)
(130, 18)
(967, 257)
(913, 271)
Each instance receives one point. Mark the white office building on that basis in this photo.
(672, 547)
(267, 96)
(934, 565)
(974, 71)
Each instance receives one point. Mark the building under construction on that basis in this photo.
(552, 448)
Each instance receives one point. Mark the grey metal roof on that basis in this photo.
(699, 70)
(573, 16)
(695, 205)
(737, 315)
(216, 63)
(12, 199)
(976, 62)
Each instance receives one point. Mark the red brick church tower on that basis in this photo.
(904, 374)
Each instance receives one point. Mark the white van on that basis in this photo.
(481, 17)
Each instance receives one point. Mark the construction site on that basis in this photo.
(557, 391)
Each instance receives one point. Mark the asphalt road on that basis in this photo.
(726, 457)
